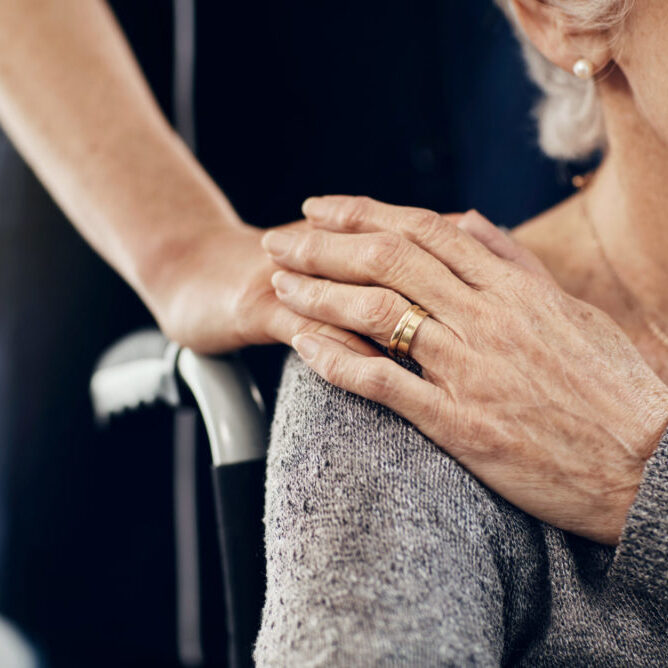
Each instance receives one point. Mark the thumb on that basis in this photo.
(501, 243)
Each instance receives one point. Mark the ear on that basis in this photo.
(553, 33)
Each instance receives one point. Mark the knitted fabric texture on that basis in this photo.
(382, 550)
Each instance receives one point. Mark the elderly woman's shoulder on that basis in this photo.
(329, 446)
(380, 545)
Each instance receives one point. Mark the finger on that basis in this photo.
(501, 244)
(371, 311)
(372, 259)
(284, 324)
(352, 214)
(382, 380)
(437, 234)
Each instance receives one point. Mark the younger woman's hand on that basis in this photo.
(215, 301)
(540, 395)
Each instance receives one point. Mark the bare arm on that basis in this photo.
(75, 103)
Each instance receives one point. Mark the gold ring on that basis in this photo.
(402, 336)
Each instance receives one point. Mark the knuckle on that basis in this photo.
(304, 327)
(311, 327)
(535, 290)
(347, 338)
(374, 378)
(316, 293)
(308, 249)
(563, 305)
(384, 251)
(331, 370)
(353, 212)
(515, 278)
(429, 226)
(379, 308)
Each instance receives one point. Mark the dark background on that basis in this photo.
(421, 103)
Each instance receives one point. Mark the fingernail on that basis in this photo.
(285, 282)
(314, 207)
(306, 346)
(470, 221)
(278, 242)
(463, 223)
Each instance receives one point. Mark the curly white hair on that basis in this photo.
(570, 120)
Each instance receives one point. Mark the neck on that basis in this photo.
(628, 199)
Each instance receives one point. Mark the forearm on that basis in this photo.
(73, 100)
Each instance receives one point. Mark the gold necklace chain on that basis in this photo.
(651, 324)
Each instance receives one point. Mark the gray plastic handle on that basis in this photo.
(230, 403)
(143, 368)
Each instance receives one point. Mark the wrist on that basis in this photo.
(654, 423)
(171, 262)
(165, 208)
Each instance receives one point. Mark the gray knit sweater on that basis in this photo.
(382, 550)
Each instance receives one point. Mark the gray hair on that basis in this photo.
(570, 118)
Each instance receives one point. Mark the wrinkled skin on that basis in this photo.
(540, 395)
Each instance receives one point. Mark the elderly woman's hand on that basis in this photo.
(540, 395)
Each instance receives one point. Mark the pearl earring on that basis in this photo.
(583, 69)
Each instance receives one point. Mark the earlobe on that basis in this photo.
(550, 31)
